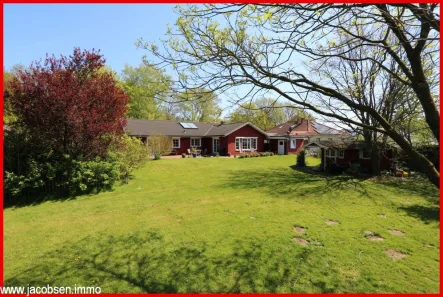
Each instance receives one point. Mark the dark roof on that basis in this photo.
(303, 128)
(136, 127)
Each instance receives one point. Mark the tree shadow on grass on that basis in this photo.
(419, 186)
(425, 213)
(144, 262)
(299, 182)
(34, 199)
(339, 181)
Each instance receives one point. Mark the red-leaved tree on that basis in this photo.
(70, 105)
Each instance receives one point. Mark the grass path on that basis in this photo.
(227, 225)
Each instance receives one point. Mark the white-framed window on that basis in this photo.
(341, 153)
(318, 140)
(254, 143)
(330, 138)
(330, 153)
(293, 144)
(215, 145)
(175, 142)
(245, 143)
(364, 154)
(196, 142)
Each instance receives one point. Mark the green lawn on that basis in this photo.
(227, 225)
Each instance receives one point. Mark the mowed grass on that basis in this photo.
(227, 225)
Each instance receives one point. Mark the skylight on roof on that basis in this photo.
(188, 125)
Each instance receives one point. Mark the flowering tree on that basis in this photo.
(69, 104)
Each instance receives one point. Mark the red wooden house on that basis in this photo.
(345, 152)
(209, 138)
(290, 137)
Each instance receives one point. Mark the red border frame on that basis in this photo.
(175, 2)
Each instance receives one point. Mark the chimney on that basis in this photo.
(309, 126)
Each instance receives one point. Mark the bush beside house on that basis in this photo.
(69, 117)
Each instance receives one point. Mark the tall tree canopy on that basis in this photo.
(147, 88)
(197, 105)
(68, 105)
(266, 47)
(267, 113)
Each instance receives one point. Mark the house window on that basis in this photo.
(318, 140)
(215, 145)
(341, 153)
(176, 142)
(364, 154)
(254, 143)
(246, 143)
(330, 138)
(330, 153)
(293, 144)
(196, 142)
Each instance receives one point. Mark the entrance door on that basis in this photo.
(281, 147)
(215, 145)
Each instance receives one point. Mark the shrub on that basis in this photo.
(255, 154)
(159, 145)
(183, 155)
(301, 158)
(60, 176)
(69, 105)
(130, 153)
(30, 174)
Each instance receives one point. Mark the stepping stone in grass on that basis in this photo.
(252, 218)
(395, 255)
(331, 223)
(300, 241)
(396, 232)
(383, 216)
(299, 230)
(372, 236)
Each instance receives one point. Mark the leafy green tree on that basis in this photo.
(267, 113)
(8, 77)
(198, 105)
(147, 88)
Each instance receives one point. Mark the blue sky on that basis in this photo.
(31, 31)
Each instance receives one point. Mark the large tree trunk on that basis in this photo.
(375, 160)
(421, 88)
(417, 158)
(372, 146)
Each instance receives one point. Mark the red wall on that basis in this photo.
(353, 156)
(229, 141)
(185, 144)
(298, 144)
(207, 144)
